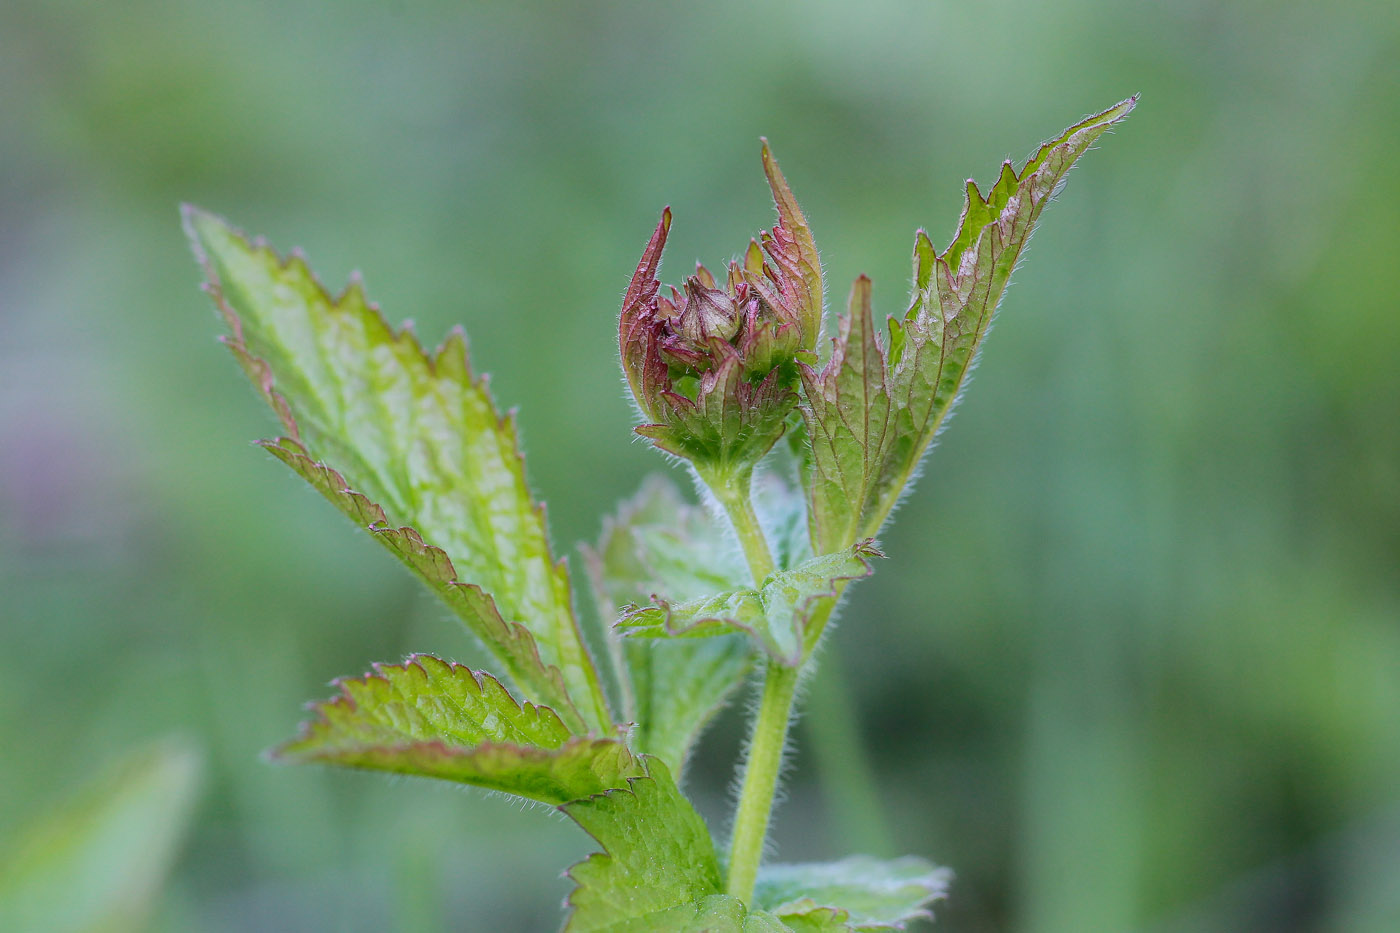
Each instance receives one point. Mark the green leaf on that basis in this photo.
(813, 919)
(861, 892)
(435, 719)
(873, 410)
(657, 856)
(421, 456)
(99, 860)
(656, 542)
(717, 913)
(774, 614)
(782, 510)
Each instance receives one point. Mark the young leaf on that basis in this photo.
(435, 719)
(872, 411)
(658, 543)
(657, 856)
(774, 614)
(98, 861)
(861, 892)
(417, 442)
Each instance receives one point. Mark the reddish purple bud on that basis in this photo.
(714, 368)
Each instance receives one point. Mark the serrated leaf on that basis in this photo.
(420, 455)
(774, 614)
(861, 892)
(435, 719)
(873, 410)
(99, 860)
(657, 856)
(656, 542)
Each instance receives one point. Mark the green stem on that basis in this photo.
(765, 760)
(765, 750)
(734, 494)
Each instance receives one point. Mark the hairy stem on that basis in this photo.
(765, 761)
(733, 492)
(765, 750)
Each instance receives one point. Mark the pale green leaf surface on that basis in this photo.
(656, 542)
(717, 913)
(862, 892)
(98, 861)
(416, 441)
(774, 614)
(435, 719)
(782, 510)
(811, 918)
(873, 410)
(657, 856)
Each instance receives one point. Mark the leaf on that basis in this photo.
(873, 410)
(421, 456)
(813, 919)
(774, 614)
(717, 913)
(435, 719)
(782, 510)
(657, 856)
(99, 860)
(658, 543)
(862, 892)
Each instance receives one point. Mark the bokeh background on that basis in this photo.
(1134, 661)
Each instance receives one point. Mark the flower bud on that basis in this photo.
(713, 368)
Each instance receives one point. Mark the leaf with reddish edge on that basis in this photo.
(873, 410)
(435, 719)
(409, 445)
(511, 642)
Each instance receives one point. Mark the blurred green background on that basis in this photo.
(1134, 661)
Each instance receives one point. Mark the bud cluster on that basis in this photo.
(714, 367)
